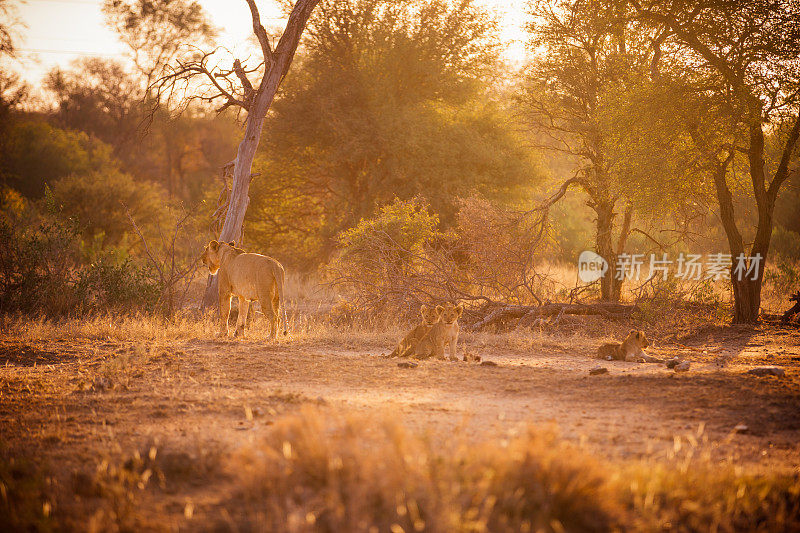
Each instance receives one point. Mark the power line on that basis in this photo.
(80, 52)
(87, 2)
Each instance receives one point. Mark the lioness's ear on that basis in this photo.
(423, 309)
(214, 245)
(641, 334)
(634, 332)
(233, 244)
(460, 309)
(439, 309)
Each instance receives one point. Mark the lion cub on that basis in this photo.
(429, 318)
(631, 349)
(443, 332)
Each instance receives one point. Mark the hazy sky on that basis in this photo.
(57, 31)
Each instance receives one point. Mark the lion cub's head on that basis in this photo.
(211, 255)
(430, 316)
(638, 338)
(449, 312)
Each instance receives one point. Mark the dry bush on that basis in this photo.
(356, 473)
(501, 253)
(26, 495)
(687, 491)
(400, 259)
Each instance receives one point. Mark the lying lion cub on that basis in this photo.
(631, 349)
(429, 318)
(443, 332)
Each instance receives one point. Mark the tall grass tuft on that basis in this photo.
(355, 473)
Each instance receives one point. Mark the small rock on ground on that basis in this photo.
(598, 370)
(682, 367)
(767, 371)
(408, 364)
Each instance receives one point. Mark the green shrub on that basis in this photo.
(382, 258)
(98, 201)
(36, 153)
(105, 285)
(41, 272)
(404, 227)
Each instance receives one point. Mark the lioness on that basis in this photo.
(430, 316)
(631, 349)
(443, 332)
(249, 277)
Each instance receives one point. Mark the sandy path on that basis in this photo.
(196, 394)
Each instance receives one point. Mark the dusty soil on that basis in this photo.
(73, 402)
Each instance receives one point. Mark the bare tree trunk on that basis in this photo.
(610, 286)
(624, 231)
(278, 65)
(747, 292)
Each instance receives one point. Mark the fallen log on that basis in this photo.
(528, 312)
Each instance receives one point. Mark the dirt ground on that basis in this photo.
(72, 401)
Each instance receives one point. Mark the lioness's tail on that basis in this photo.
(281, 284)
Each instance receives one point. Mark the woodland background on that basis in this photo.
(403, 161)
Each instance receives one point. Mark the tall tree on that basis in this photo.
(586, 54)
(743, 58)
(155, 32)
(233, 88)
(98, 96)
(390, 100)
(7, 23)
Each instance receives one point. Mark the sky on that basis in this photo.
(54, 32)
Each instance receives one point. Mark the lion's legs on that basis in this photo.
(224, 312)
(269, 310)
(241, 321)
(422, 350)
(405, 350)
(438, 350)
(276, 312)
(453, 342)
(649, 358)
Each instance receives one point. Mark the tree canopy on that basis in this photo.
(390, 99)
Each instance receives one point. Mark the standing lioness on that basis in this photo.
(249, 277)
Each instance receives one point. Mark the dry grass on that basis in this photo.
(687, 491)
(303, 329)
(328, 469)
(26, 499)
(321, 472)
(318, 315)
(355, 473)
